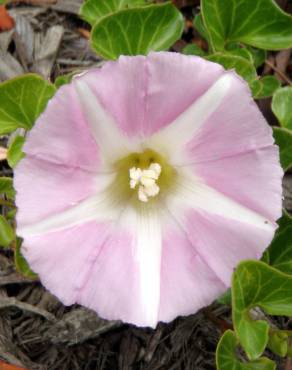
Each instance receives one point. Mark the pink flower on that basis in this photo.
(144, 184)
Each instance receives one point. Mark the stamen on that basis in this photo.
(146, 179)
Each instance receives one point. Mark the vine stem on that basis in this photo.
(288, 363)
(4, 202)
(280, 73)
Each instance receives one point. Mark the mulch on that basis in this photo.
(36, 331)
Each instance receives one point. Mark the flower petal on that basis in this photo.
(222, 231)
(133, 261)
(44, 188)
(103, 260)
(187, 282)
(226, 141)
(172, 138)
(102, 125)
(144, 99)
(61, 134)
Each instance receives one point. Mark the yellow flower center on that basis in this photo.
(143, 176)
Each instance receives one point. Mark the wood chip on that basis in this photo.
(68, 6)
(46, 49)
(13, 302)
(78, 326)
(9, 66)
(5, 39)
(282, 59)
(3, 153)
(24, 39)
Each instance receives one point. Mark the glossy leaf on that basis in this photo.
(20, 262)
(6, 232)
(6, 187)
(260, 23)
(255, 284)
(193, 49)
(259, 56)
(226, 358)
(264, 87)
(93, 10)
(231, 61)
(225, 298)
(278, 342)
(15, 154)
(283, 138)
(137, 31)
(279, 253)
(200, 27)
(22, 99)
(64, 79)
(282, 106)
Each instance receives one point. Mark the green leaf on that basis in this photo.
(256, 284)
(279, 253)
(230, 61)
(65, 79)
(226, 358)
(6, 187)
(281, 106)
(283, 138)
(93, 10)
(193, 49)
(278, 342)
(6, 232)
(260, 23)
(137, 31)
(264, 87)
(22, 99)
(200, 27)
(20, 262)
(259, 55)
(225, 298)
(15, 153)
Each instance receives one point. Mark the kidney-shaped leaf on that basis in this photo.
(283, 138)
(259, 23)
(264, 87)
(255, 284)
(226, 356)
(137, 31)
(231, 61)
(282, 106)
(93, 10)
(22, 99)
(6, 232)
(279, 253)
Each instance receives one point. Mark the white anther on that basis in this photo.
(142, 195)
(135, 175)
(147, 180)
(156, 168)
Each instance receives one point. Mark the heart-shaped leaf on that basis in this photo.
(22, 99)
(242, 66)
(93, 10)
(15, 153)
(6, 187)
(283, 138)
(264, 87)
(260, 23)
(281, 106)
(6, 232)
(255, 284)
(279, 253)
(226, 358)
(20, 262)
(137, 31)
